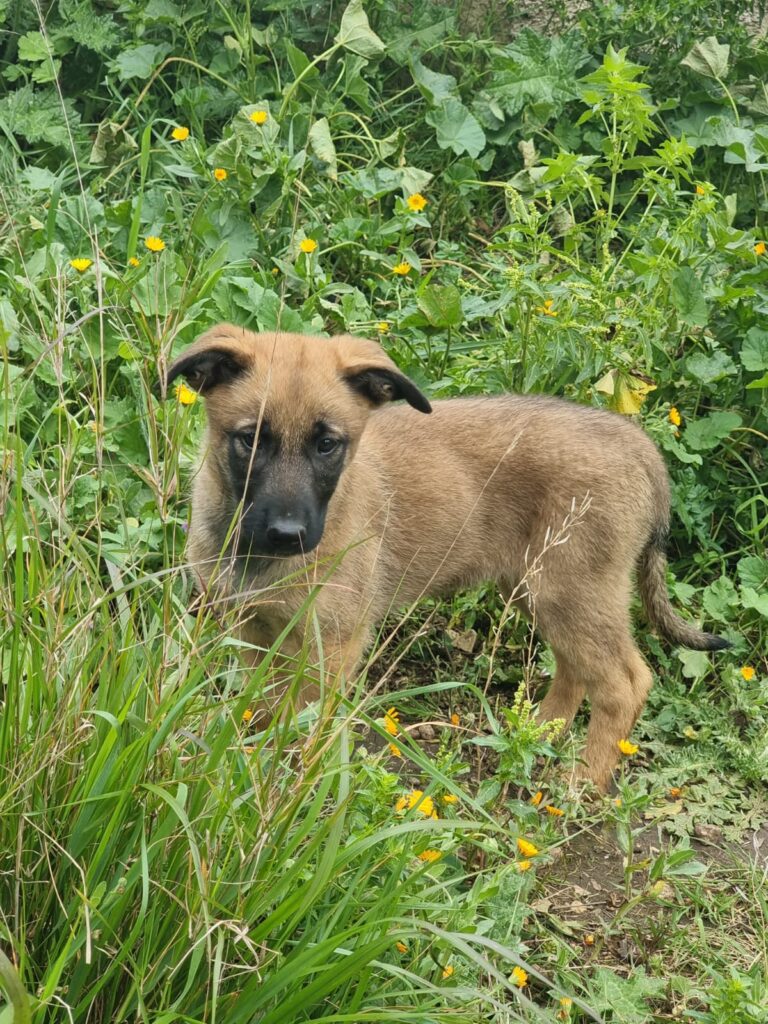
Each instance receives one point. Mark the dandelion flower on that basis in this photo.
(133, 262)
(424, 804)
(537, 798)
(455, 719)
(81, 264)
(416, 202)
(382, 327)
(308, 245)
(556, 812)
(154, 244)
(185, 395)
(259, 117)
(674, 416)
(747, 673)
(589, 939)
(394, 750)
(566, 1002)
(760, 248)
(447, 971)
(450, 798)
(675, 792)
(546, 309)
(519, 977)
(220, 174)
(627, 748)
(247, 714)
(180, 134)
(617, 802)
(527, 849)
(391, 721)
(430, 856)
(700, 190)
(401, 947)
(524, 865)
(401, 269)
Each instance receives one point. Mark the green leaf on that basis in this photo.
(708, 369)
(33, 47)
(456, 128)
(761, 382)
(441, 305)
(139, 61)
(321, 144)
(720, 599)
(687, 296)
(758, 602)
(709, 431)
(538, 71)
(111, 144)
(433, 86)
(708, 58)
(356, 34)
(753, 572)
(625, 998)
(754, 351)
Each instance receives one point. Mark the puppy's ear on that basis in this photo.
(217, 357)
(370, 372)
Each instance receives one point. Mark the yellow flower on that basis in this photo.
(524, 865)
(185, 395)
(455, 719)
(402, 269)
(382, 326)
(430, 856)
(627, 748)
(617, 802)
(220, 174)
(390, 721)
(747, 673)
(154, 244)
(554, 811)
(180, 134)
(675, 792)
(81, 264)
(519, 977)
(133, 262)
(401, 947)
(447, 971)
(589, 940)
(674, 416)
(416, 202)
(395, 751)
(416, 798)
(450, 798)
(247, 714)
(537, 798)
(527, 849)
(546, 309)
(566, 1002)
(700, 191)
(760, 248)
(690, 733)
(259, 117)
(308, 245)
(93, 426)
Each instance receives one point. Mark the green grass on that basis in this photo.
(162, 861)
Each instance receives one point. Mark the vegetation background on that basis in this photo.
(594, 226)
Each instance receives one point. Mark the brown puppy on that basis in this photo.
(304, 480)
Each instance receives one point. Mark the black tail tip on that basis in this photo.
(717, 643)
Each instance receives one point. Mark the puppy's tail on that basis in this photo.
(658, 607)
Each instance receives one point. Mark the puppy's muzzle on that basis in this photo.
(286, 535)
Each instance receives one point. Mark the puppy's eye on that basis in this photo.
(327, 445)
(247, 438)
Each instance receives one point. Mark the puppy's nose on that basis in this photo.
(286, 533)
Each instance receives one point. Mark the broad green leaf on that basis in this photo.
(433, 86)
(456, 128)
(538, 71)
(625, 998)
(139, 61)
(687, 296)
(112, 142)
(33, 47)
(441, 305)
(761, 382)
(708, 369)
(750, 598)
(753, 571)
(754, 351)
(709, 431)
(708, 58)
(719, 599)
(356, 34)
(322, 146)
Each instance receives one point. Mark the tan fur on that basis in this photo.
(428, 504)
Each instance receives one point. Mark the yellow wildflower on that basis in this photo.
(566, 1002)
(527, 849)
(760, 248)
(747, 673)
(154, 244)
(627, 748)
(220, 174)
(617, 802)
(394, 750)
(81, 264)
(700, 191)
(524, 865)
(185, 395)
(180, 134)
(401, 947)
(450, 798)
(133, 262)
(308, 245)
(519, 977)
(391, 721)
(416, 798)
(554, 811)
(247, 714)
(589, 939)
(690, 733)
(537, 798)
(546, 309)
(402, 269)
(675, 792)
(416, 202)
(674, 416)
(455, 719)
(447, 971)
(382, 326)
(259, 117)
(430, 856)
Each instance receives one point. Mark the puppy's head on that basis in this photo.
(285, 415)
